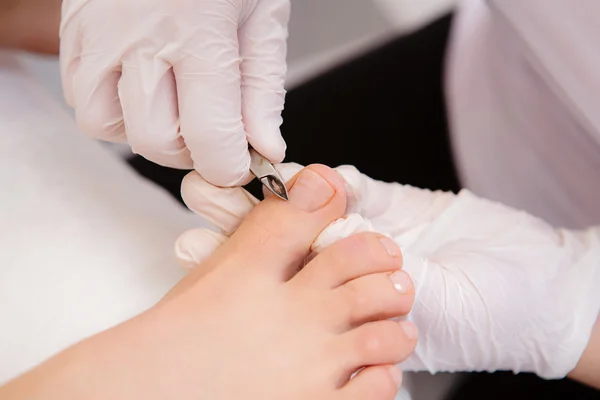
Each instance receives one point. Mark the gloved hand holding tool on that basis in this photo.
(188, 84)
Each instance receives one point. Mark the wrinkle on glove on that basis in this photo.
(496, 289)
(185, 83)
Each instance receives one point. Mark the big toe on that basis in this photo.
(277, 235)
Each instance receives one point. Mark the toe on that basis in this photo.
(351, 258)
(196, 245)
(276, 235)
(380, 382)
(378, 343)
(375, 297)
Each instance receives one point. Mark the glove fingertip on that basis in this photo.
(236, 174)
(193, 247)
(225, 208)
(288, 170)
(267, 140)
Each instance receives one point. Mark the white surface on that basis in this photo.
(85, 242)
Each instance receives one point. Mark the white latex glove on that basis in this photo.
(496, 288)
(187, 83)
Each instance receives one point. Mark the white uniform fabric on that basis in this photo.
(84, 242)
(524, 91)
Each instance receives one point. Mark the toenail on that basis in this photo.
(396, 375)
(410, 329)
(310, 191)
(402, 282)
(391, 247)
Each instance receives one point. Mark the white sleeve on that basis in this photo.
(561, 37)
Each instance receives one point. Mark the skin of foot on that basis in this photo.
(249, 323)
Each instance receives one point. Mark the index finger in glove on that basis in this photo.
(196, 245)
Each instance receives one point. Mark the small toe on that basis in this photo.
(377, 383)
(378, 343)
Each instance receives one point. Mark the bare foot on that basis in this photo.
(255, 329)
